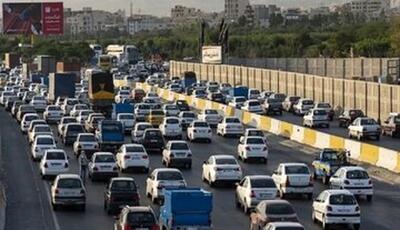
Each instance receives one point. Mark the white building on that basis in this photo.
(139, 23)
(319, 11)
(370, 8)
(235, 8)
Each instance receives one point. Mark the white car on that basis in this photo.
(68, 190)
(26, 121)
(163, 178)
(39, 130)
(122, 94)
(128, 121)
(39, 102)
(63, 122)
(85, 142)
(254, 94)
(171, 128)
(141, 111)
(41, 144)
(68, 104)
(336, 207)
(252, 132)
(102, 165)
(53, 113)
(251, 190)
(132, 156)
(253, 148)
(54, 162)
(253, 106)
(152, 99)
(221, 168)
(293, 178)
(187, 117)
(171, 110)
(354, 179)
(283, 225)
(199, 130)
(138, 131)
(364, 127)
(5, 95)
(78, 107)
(230, 126)
(225, 87)
(302, 106)
(316, 118)
(327, 107)
(237, 102)
(211, 116)
(83, 115)
(33, 123)
(177, 153)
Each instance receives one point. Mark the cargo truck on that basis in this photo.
(121, 108)
(187, 208)
(189, 78)
(239, 91)
(61, 85)
(101, 92)
(110, 134)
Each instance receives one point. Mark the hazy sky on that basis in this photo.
(163, 7)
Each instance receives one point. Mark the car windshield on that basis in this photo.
(200, 124)
(179, 146)
(257, 133)
(172, 121)
(153, 134)
(225, 161)
(87, 138)
(189, 115)
(200, 92)
(258, 141)
(342, 199)
(119, 185)
(171, 107)
(209, 111)
(45, 141)
(75, 128)
(55, 155)
(240, 99)
(308, 102)
(357, 174)
(144, 126)
(254, 103)
(42, 129)
(232, 120)
(368, 122)
(254, 91)
(30, 118)
(319, 112)
(262, 183)
(68, 120)
(330, 156)
(69, 183)
(124, 92)
(126, 117)
(96, 120)
(296, 169)
(279, 209)
(217, 95)
(396, 120)
(356, 113)
(134, 149)
(140, 218)
(53, 108)
(169, 175)
(111, 128)
(324, 105)
(272, 100)
(103, 158)
(288, 228)
(80, 107)
(293, 99)
(72, 102)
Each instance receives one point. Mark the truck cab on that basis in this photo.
(328, 162)
(110, 133)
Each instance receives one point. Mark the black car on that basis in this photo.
(348, 116)
(10, 102)
(121, 191)
(217, 97)
(182, 105)
(273, 106)
(153, 140)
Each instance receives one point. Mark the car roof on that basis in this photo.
(166, 170)
(252, 129)
(271, 202)
(102, 153)
(259, 177)
(122, 179)
(222, 156)
(69, 176)
(139, 209)
(350, 168)
(132, 145)
(285, 224)
(294, 164)
(44, 136)
(338, 191)
(177, 141)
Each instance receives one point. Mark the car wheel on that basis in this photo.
(265, 160)
(281, 194)
(378, 137)
(82, 207)
(325, 226)
(153, 199)
(245, 208)
(313, 217)
(369, 198)
(359, 137)
(325, 179)
(210, 182)
(54, 206)
(356, 226)
(237, 202)
(309, 196)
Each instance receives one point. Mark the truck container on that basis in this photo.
(187, 208)
(70, 67)
(110, 134)
(36, 77)
(101, 91)
(240, 91)
(11, 60)
(61, 85)
(121, 108)
(27, 69)
(46, 64)
(189, 78)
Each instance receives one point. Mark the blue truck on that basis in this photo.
(239, 91)
(187, 208)
(61, 85)
(121, 108)
(189, 78)
(110, 134)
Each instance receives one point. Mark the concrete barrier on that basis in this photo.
(367, 153)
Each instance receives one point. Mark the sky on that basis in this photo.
(163, 7)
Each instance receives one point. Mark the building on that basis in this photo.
(263, 13)
(179, 13)
(293, 14)
(319, 11)
(235, 9)
(140, 23)
(91, 21)
(369, 8)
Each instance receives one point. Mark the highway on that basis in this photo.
(29, 203)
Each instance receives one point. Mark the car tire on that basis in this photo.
(237, 202)
(325, 226)
(282, 195)
(245, 208)
(265, 160)
(54, 206)
(325, 179)
(82, 207)
(369, 198)
(378, 137)
(356, 226)
(313, 217)
(309, 196)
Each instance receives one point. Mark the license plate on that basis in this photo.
(265, 195)
(153, 141)
(358, 184)
(136, 158)
(55, 164)
(105, 167)
(141, 228)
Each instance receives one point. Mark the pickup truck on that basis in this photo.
(328, 161)
(186, 208)
(110, 133)
(391, 126)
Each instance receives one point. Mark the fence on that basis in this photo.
(376, 100)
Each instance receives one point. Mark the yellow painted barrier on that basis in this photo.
(369, 153)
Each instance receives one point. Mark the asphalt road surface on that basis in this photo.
(29, 204)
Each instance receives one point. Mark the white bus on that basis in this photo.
(125, 53)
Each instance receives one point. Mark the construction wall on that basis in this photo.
(376, 100)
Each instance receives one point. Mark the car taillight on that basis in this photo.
(127, 227)
(329, 208)
(311, 181)
(195, 131)
(287, 183)
(218, 169)
(252, 194)
(357, 209)
(369, 182)
(236, 169)
(145, 156)
(115, 168)
(126, 157)
(189, 155)
(57, 191)
(82, 191)
(155, 227)
(45, 165)
(248, 148)
(66, 165)
(346, 182)
(265, 149)
(95, 168)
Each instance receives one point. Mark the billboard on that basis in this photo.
(212, 54)
(33, 18)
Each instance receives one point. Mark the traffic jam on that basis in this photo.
(115, 132)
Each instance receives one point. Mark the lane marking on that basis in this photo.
(53, 214)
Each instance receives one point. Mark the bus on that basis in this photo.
(124, 53)
(105, 62)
